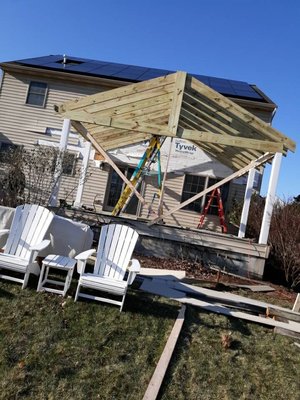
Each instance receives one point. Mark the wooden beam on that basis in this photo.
(162, 365)
(228, 140)
(255, 163)
(177, 101)
(115, 93)
(131, 125)
(81, 129)
(243, 115)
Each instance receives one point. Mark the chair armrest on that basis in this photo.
(82, 259)
(40, 246)
(37, 248)
(134, 269)
(135, 266)
(85, 254)
(3, 231)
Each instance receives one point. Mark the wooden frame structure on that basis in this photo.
(180, 106)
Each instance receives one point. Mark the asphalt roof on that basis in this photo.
(132, 73)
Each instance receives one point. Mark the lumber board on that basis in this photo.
(115, 93)
(285, 332)
(161, 368)
(162, 273)
(229, 298)
(208, 137)
(243, 115)
(132, 125)
(99, 148)
(160, 288)
(254, 288)
(286, 314)
(219, 117)
(227, 155)
(150, 96)
(137, 109)
(177, 101)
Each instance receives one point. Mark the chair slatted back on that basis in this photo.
(116, 245)
(29, 226)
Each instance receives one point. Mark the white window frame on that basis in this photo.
(28, 92)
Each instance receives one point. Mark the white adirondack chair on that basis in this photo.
(116, 245)
(25, 240)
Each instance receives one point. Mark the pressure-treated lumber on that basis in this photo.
(177, 105)
(161, 368)
(77, 125)
(286, 332)
(208, 137)
(161, 288)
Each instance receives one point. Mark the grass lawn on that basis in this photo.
(258, 365)
(53, 348)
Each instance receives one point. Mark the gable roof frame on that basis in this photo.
(179, 106)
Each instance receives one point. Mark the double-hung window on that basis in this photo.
(194, 184)
(36, 95)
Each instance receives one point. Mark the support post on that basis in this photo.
(58, 168)
(83, 172)
(270, 199)
(246, 205)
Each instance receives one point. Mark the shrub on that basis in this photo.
(284, 236)
(28, 175)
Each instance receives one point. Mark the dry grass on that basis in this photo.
(51, 348)
(229, 359)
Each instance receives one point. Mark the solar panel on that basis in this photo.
(136, 73)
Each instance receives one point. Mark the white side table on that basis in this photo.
(56, 262)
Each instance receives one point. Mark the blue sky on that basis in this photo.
(250, 40)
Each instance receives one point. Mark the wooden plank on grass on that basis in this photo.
(286, 332)
(161, 368)
(162, 289)
(285, 314)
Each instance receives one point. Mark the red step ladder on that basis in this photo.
(215, 193)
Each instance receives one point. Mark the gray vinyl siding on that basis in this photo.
(23, 124)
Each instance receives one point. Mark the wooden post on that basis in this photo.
(270, 199)
(246, 205)
(161, 198)
(83, 172)
(58, 168)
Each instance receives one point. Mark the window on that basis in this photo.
(193, 185)
(36, 95)
(115, 188)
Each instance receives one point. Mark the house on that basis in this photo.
(31, 88)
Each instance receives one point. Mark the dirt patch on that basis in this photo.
(213, 278)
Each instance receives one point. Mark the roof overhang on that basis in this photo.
(175, 105)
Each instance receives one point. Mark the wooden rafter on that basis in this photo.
(177, 105)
